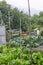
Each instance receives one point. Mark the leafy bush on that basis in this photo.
(19, 56)
(41, 33)
(1, 48)
(9, 44)
(1, 58)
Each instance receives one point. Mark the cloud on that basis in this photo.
(36, 4)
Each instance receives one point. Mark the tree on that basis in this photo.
(4, 8)
(24, 21)
(15, 19)
(15, 15)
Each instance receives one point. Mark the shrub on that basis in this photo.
(41, 33)
(1, 48)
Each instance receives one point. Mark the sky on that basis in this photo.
(35, 5)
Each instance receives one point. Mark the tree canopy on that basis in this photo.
(15, 15)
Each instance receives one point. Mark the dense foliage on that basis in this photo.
(41, 33)
(19, 56)
(15, 15)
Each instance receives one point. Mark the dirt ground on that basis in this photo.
(40, 48)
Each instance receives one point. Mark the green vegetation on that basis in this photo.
(14, 53)
(41, 33)
(15, 15)
(16, 56)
